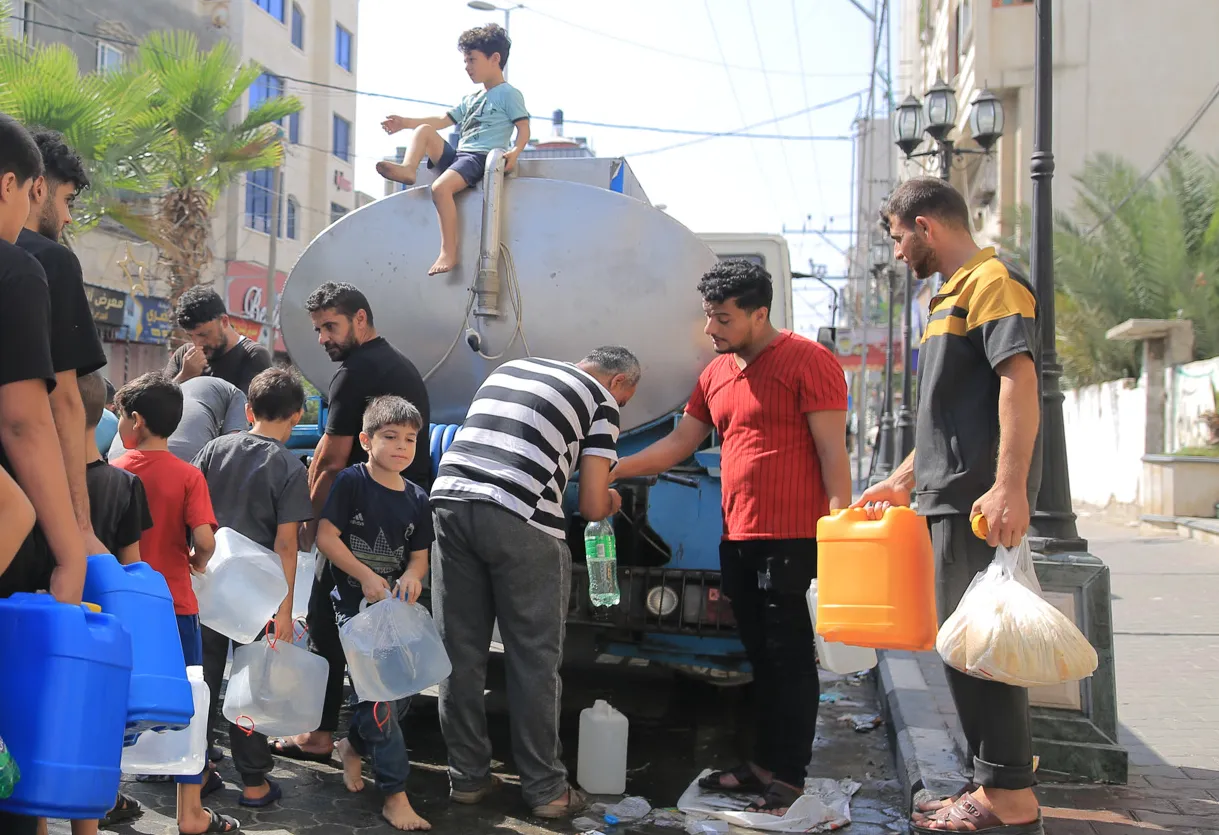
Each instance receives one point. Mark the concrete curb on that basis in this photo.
(922, 725)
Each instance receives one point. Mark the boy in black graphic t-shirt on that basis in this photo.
(375, 530)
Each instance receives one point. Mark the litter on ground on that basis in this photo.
(824, 807)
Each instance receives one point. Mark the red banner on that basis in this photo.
(245, 292)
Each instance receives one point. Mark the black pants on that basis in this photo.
(11, 824)
(251, 755)
(324, 641)
(994, 716)
(766, 581)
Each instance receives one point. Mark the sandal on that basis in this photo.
(274, 793)
(747, 781)
(778, 798)
(213, 783)
(216, 823)
(125, 809)
(283, 748)
(967, 815)
(930, 807)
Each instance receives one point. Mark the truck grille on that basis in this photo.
(692, 604)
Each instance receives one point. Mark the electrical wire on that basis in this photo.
(804, 91)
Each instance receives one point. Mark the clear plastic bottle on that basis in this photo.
(601, 558)
(9, 773)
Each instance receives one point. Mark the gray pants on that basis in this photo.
(489, 563)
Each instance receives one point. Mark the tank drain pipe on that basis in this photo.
(487, 284)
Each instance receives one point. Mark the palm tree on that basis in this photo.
(194, 96)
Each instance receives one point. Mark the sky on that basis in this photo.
(703, 65)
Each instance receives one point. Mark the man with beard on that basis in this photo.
(371, 367)
(779, 402)
(216, 349)
(976, 454)
(76, 348)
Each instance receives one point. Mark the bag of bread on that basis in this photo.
(1002, 630)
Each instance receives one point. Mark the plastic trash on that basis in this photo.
(835, 657)
(710, 827)
(393, 651)
(627, 810)
(601, 755)
(585, 825)
(276, 689)
(174, 752)
(1002, 630)
(302, 587)
(241, 589)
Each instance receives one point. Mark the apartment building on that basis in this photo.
(302, 45)
(1128, 76)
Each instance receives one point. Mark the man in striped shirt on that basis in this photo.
(501, 553)
(779, 402)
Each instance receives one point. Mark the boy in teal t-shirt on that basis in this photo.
(486, 120)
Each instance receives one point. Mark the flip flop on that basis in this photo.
(125, 809)
(275, 794)
(747, 781)
(968, 816)
(212, 784)
(292, 751)
(217, 823)
(930, 807)
(777, 800)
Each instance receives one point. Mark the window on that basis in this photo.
(293, 212)
(109, 57)
(22, 21)
(275, 8)
(298, 27)
(294, 128)
(342, 47)
(342, 138)
(266, 86)
(336, 212)
(258, 189)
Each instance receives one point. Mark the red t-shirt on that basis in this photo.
(178, 502)
(769, 470)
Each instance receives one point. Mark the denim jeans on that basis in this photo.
(376, 733)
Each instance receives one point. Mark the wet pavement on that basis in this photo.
(678, 726)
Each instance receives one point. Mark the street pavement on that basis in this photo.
(1166, 635)
(678, 727)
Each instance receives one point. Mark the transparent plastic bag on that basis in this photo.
(393, 651)
(1003, 630)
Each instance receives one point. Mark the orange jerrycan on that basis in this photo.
(876, 580)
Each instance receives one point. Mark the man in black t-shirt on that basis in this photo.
(371, 367)
(216, 349)
(76, 348)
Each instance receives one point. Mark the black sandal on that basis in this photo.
(217, 823)
(778, 798)
(125, 809)
(747, 781)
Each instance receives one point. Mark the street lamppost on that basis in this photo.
(936, 118)
(881, 252)
(484, 6)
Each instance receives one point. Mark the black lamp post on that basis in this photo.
(881, 252)
(905, 417)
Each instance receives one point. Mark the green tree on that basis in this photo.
(195, 96)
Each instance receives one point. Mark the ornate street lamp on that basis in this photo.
(908, 125)
(937, 116)
(941, 109)
(986, 119)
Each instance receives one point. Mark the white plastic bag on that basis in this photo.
(1003, 630)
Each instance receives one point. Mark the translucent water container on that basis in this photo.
(838, 658)
(160, 694)
(601, 756)
(393, 651)
(276, 689)
(242, 587)
(64, 676)
(876, 580)
(300, 633)
(174, 752)
(306, 566)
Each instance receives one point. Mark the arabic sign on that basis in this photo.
(107, 305)
(147, 319)
(246, 289)
(257, 332)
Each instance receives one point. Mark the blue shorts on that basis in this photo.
(192, 651)
(469, 164)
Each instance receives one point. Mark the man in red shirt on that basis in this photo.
(779, 402)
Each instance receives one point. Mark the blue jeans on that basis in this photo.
(376, 733)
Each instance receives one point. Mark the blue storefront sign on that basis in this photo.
(147, 319)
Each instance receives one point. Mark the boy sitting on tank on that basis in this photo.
(485, 120)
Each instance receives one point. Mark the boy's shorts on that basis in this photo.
(468, 164)
(192, 650)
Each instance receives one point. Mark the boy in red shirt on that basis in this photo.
(149, 408)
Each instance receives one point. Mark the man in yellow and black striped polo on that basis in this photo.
(976, 453)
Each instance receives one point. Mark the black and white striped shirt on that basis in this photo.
(524, 434)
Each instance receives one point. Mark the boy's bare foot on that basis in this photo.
(395, 171)
(353, 767)
(401, 815)
(445, 263)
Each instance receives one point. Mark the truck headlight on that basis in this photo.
(662, 601)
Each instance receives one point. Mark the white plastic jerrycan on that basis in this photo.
(393, 651)
(306, 568)
(601, 756)
(242, 587)
(838, 658)
(276, 689)
(174, 752)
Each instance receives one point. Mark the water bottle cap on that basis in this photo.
(611, 819)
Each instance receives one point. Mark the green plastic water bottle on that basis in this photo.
(9, 772)
(601, 558)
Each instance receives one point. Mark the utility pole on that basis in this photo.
(269, 295)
